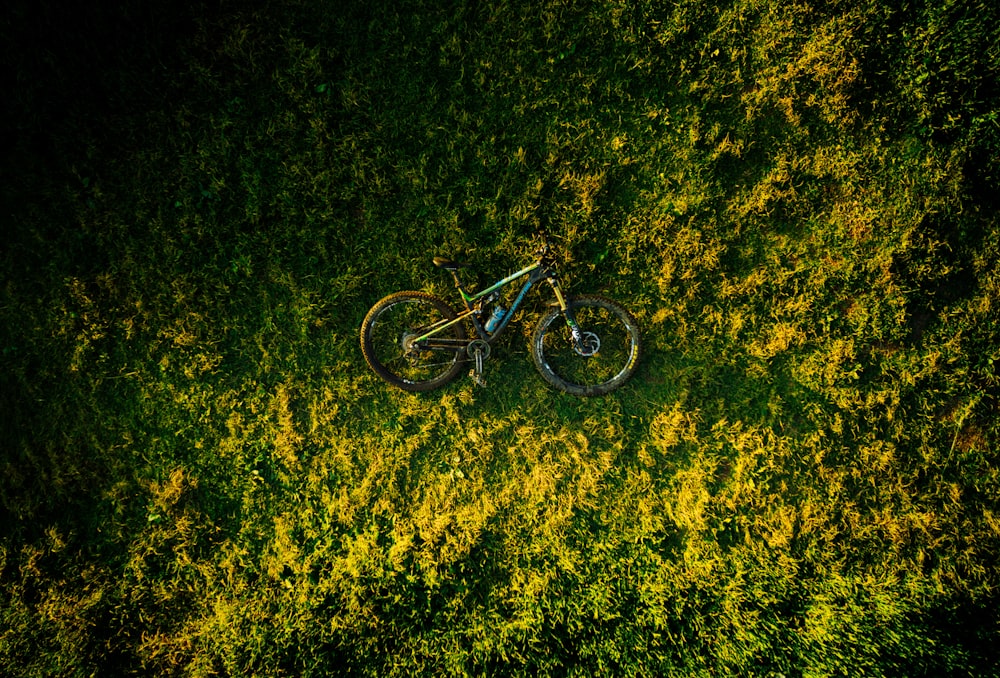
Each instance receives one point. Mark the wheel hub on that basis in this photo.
(408, 343)
(589, 345)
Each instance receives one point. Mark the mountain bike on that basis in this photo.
(584, 345)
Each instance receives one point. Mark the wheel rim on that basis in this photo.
(608, 347)
(393, 334)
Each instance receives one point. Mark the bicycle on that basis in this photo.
(417, 342)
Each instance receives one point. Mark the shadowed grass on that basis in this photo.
(201, 476)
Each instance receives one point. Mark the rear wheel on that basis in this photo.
(604, 359)
(388, 341)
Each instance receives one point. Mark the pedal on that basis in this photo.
(478, 350)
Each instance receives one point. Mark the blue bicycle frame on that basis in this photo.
(540, 270)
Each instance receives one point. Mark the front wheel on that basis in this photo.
(603, 359)
(389, 341)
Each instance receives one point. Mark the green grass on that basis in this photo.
(200, 475)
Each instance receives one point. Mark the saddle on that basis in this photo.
(449, 265)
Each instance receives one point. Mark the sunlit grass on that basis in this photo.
(200, 474)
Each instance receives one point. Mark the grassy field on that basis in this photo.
(797, 199)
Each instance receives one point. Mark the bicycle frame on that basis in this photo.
(539, 270)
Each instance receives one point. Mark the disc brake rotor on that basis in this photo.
(589, 345)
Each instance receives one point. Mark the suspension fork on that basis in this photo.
(567, 312)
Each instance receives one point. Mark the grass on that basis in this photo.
(796, 200)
